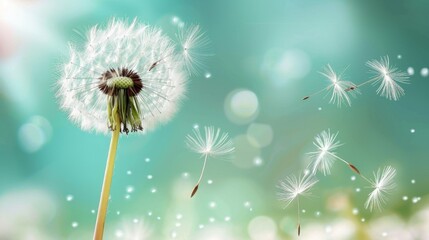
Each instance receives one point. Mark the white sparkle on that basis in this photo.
(69, 198)
(130, 189)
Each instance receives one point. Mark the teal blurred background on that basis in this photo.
(268, 55)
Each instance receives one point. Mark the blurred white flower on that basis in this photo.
(323, 158)
(27, 214)
(388, 77)
(133, 230)
(212, 144)
(130, 69)
(382, 186)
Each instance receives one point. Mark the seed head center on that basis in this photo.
(120, 82)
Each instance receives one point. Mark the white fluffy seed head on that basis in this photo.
(292, 187)
(140, 48)
(382, 185)
(323, 158)
(194, 44)
(213, 143)
(338, 87)
(388, 77)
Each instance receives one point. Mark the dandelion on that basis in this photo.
(293, 187)
(323, 158)
(388, 77)
(382, 185)
(337, 87)
(126, 77)
(212, 144)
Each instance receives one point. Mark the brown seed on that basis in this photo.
(354, 168)
(299, 229)
(153, 65)
(306, 97)
(350, 89)
(195, 190)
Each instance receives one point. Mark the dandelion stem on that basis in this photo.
(299, 220)
(335, 156)
(108, 174)
(351, 166)
(366, 179)
(308, 96)
(360, 85)
(202, 170)
(201, 177)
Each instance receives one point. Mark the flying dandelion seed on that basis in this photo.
(126, 77)
(292, 188)
(382, 186)
(194, 45)
(388, 77)
(212, 144)
(337, 87)
(323, 158)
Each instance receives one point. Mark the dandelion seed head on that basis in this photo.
(292, 187)
(382, 185)
(194, 44)
(126, 64)
(213, 143)
(338, 87)
(388, 77)
(323, 158)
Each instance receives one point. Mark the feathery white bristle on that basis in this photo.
(193, 43)
(388, 77)
(382, 186)
(292, 187)
(323, 158)
(338, 87)
(213, 143)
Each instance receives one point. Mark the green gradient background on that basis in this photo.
(245, 36)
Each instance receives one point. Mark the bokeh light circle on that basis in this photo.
(260, 135)
(245, 152)
(285, 66)
(241, 106)
(34, 134)
(262, 228)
